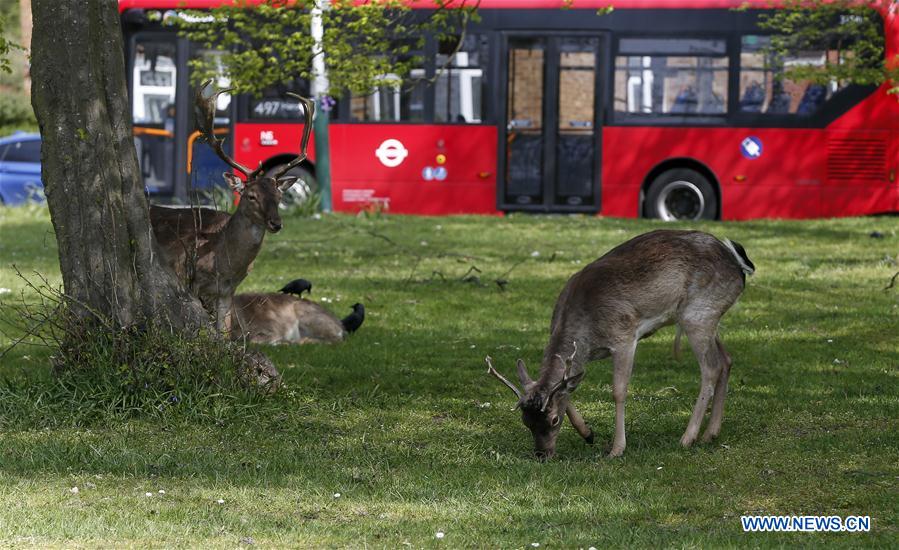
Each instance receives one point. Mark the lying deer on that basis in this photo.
(212, 251)
(285, 319)
(660, 278)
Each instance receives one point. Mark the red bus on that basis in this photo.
(662, 108)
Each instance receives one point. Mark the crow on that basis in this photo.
(353, 321)
(297, 286)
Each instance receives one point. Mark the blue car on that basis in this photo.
(20, 169)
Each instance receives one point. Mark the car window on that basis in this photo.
(22, 151)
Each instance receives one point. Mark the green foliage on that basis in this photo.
(146, 366)
(101, 368)
(850, 30)
(366, 44)
(5, 47)
(16, 109)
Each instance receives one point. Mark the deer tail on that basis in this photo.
(739, 253)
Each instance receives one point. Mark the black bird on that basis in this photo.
(353, 321)
(298, 287)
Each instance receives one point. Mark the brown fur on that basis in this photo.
(210, 251)
(659, 278)
(284, 319)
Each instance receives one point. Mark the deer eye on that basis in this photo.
(555, 421)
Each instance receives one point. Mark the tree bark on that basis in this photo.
(107, 251)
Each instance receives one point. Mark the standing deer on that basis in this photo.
(656, 279)
(212, 251)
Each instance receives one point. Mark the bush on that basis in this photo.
(151, 362)
(16, 109)
(149, 368)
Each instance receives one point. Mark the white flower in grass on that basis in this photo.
(5, 291)
(161, 491)
(535, 254)
(535, 544)
(220, 501)
(336, 495)
(148, 494)
(439, 534)
(74, 490)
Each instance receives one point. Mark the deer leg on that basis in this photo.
(714, 426)
(706, 351)
(578, 422)
(623, 364)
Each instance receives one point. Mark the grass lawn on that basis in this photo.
(404, 424)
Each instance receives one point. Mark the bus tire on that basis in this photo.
(305, 187)
(681, 194)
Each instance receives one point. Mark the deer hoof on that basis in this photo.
(615, 453)
(687, 442)
(589, 438)
(709, 436)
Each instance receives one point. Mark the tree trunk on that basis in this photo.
(107, 251)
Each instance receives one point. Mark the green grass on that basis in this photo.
(397, 420)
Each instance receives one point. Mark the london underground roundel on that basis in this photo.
(391, 153)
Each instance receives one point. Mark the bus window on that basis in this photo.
(671, 76)
(154, 80)
(763, 89)
(394, 101)
(205, 167)
(459, 85)
(276, 105)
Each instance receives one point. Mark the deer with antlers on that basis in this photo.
(659, 278)
(212, 251)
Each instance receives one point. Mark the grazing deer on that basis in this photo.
(212, 251)
(285, 319)
(659, 278)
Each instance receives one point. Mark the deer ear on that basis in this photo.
(286, 182)
(523, 373)
(573, 380)
(234, 182)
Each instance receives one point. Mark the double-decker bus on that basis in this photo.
(669, 109)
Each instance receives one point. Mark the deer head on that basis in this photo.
(543, 406)
(260, 195)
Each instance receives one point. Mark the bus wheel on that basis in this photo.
(305, 187)
(681, 194)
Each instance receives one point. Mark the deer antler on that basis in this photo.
(204, 109)
(308, 114)
(566, 377)
(501, 378)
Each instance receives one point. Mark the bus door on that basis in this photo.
(549, 152)
(203, 166)
(154, 81)
(176, 165)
